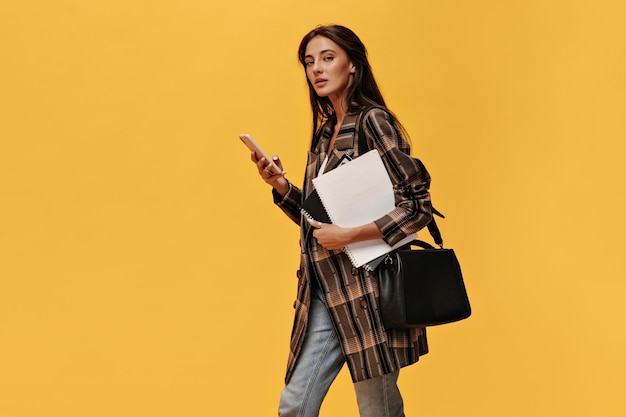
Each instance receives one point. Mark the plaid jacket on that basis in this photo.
(351, 294)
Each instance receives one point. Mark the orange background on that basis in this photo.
(145, 272)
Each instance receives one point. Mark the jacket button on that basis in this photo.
(355, 271)
(363, 303)
(299, 273)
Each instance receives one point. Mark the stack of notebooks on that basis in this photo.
(351, 195)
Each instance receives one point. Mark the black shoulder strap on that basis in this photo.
(433, 229)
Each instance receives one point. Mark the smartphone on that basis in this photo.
(253, 146)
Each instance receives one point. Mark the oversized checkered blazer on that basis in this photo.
(351, 294)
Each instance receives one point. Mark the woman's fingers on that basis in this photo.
(267, 167)
(314, 223)
(277, 162)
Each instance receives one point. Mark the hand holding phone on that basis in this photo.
(253, 146)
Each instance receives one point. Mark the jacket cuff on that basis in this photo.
(278, 199)
(392, 234)
(290, 203)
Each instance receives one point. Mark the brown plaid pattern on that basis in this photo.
(351, 294)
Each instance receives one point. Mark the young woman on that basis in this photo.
(337, 319)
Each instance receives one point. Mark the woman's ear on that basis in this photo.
(352, 68)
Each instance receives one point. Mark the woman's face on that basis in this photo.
(328, 68)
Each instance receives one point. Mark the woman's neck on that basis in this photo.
(339, 106)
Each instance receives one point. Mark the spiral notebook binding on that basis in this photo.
(306, 214)
(350, 255)
(330, 216)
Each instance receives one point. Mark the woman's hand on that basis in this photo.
(333, 237)
(278, 181)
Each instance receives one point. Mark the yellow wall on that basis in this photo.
(145, 272)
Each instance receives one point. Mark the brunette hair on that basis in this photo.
(363, 92)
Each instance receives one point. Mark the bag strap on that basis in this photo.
(419, 243)
(433, 229)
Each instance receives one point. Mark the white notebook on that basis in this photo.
(355, 194)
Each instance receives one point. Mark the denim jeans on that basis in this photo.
(318, 364)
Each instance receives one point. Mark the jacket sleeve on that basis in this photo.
(291, 203)
(408, 175)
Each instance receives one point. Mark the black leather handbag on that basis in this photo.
(420, 288)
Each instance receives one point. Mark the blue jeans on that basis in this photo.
(320, 361)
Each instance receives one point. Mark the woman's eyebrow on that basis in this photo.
(322, 52)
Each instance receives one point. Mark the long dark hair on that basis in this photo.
(362, 93)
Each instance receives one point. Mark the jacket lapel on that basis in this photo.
(344, 144)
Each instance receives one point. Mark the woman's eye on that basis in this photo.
(329, 58)
(308, 63)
